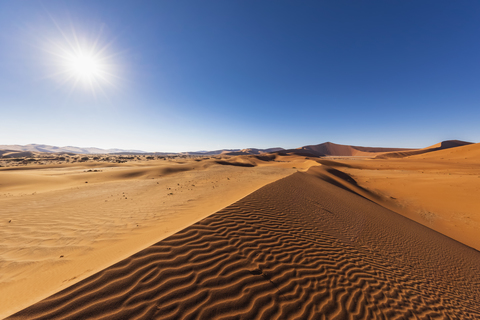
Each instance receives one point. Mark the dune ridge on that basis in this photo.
(462, 151)
(334, 149)
(436, 147)
(298, 248)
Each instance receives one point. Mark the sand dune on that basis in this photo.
(62, 223)
(15, 153)
(438, 189)
(90, 237)
(460, 152)
(333, 149)
(436, 147)
(298, 248)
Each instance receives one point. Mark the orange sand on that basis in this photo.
(299, 248)
(57, 230)
(439, 189)
(327, 242)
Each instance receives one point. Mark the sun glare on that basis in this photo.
(82, 62)
(85, 66)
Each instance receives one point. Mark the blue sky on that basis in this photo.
(204, 75)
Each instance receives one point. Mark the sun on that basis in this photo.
(83, 62)
(85, 66)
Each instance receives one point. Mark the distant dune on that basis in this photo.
(15, 153)
(439, 146)
(333, 149)
(452, 150)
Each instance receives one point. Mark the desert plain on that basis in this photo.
(319, 232)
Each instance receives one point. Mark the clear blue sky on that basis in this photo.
(203, 75)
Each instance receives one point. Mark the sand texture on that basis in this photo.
(56, 229)
(298, 248)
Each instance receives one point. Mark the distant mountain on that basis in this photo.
(436, 147)
(333, 149)
(253, 151)
(232, 152)
(208, 153)
(67, 149)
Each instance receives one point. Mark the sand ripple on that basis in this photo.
(299, 248)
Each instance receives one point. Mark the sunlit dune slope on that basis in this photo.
(298, 248)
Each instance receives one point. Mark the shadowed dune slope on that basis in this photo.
(450, 144)
(299, 248)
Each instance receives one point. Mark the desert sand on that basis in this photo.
(62, 223)
(271, 237)
(439, 189)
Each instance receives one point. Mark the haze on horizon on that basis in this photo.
(188, 75)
